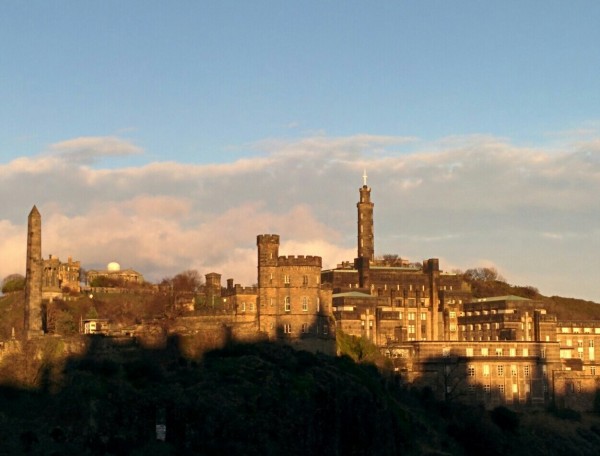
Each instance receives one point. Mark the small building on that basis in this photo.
(113, 275)
(95, 326)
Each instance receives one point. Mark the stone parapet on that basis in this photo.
(300, 260)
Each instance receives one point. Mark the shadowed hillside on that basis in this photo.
(250, 400)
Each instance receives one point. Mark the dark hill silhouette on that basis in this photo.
(263, 398)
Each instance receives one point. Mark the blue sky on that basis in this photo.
(249, 97)
(197, 81)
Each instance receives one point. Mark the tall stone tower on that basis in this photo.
(366, 237)
(33, 276)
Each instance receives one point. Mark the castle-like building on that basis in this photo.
(496, 350)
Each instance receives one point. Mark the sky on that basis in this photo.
(167, 136)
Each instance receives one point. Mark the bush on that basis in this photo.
(505, 419)
(14, 282)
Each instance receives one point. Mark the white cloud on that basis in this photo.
(459, 198)
(88, 149)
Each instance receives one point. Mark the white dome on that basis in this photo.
(113, 266)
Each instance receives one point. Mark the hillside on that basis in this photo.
(491, 284)
(263, 399)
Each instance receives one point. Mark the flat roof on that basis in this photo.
(500, 298)
(352, 294)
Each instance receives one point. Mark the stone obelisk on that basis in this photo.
(33, 277)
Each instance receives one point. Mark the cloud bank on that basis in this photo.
(470, 201)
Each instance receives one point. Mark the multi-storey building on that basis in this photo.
(292, 303)
(506, 318)
(58, 277)
(492, 373)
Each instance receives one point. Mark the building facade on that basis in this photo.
(292, 303)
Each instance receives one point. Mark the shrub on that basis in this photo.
(505, 419)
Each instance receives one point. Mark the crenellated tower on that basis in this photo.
(292, 305)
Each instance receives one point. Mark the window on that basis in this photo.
(305, 280)
(471, 371)
(484, 351)
(469, 351)
(243, 307)
(452, 314)
(526, 371)
(318, 304)
(501, 389)
(513, 352)
(591, 343)
(287, 329)
(325, 329)
(500, 370)
(487, 389)
(272, 301)
(513, 370)
(446, 352)
(304, 328)
(525, 352)
(515, 388)
(304, 303)
(411, 329)
(499, 352)
(286, 304)
(486, 370)
(411, 315)
(286, 279)
(423, 316)
(251, 307)
(593, 370)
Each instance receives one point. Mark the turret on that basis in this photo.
(268, 249)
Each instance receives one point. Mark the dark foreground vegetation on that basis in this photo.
(261, 399)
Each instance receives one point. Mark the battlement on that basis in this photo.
(267, 239)
(299, 260)
(238, 289)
